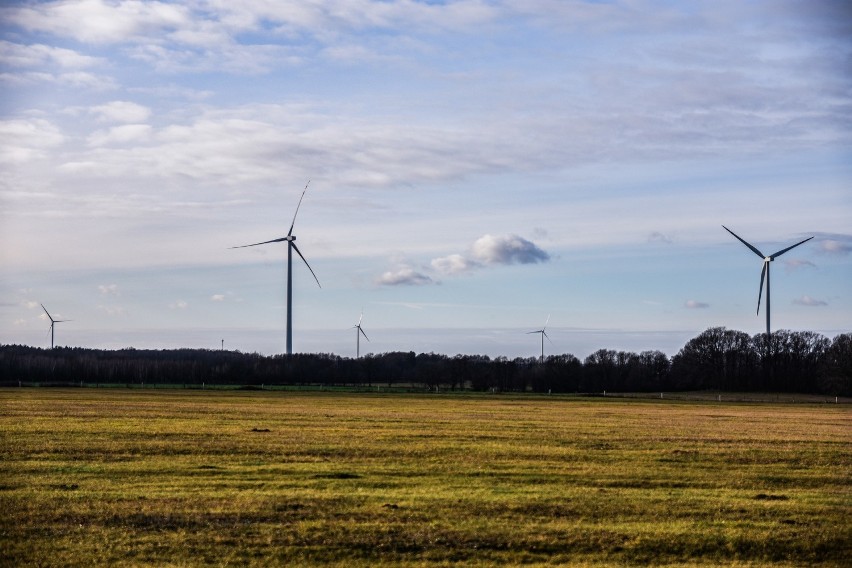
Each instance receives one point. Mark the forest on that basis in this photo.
(717, 359)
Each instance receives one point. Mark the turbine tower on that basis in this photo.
(290, 239)
(53, 322)
(543, 335)
(765, 270)
(358, 333)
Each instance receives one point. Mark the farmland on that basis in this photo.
(137, 477)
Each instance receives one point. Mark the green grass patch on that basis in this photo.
(259, 478)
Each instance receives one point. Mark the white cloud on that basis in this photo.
(76, 79)
(19, 321)
(454, 264)
(217, 298)
(490, 250)
(808, 301)
(405, 276)
(695, 305)
(36, 55)
(123, 134)
(98, 21)
(510, 249)
(121, 111)
(85, 80)
(29, 304)
(22, 140)
(179, 305)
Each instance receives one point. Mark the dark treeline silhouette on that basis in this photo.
(717, 359)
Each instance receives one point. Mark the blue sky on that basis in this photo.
(475, 167)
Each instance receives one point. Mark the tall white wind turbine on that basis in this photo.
(358, 333)
(764, 272)
(290, 239)
(53, 322)
(543, 335)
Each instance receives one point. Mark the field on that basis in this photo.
(97, 477)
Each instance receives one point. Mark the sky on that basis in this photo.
(475, 169)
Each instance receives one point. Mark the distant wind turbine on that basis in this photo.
(543, 335)
(53, 322)
(765, 270)
(358, 333)
(290, 239)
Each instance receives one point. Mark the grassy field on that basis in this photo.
(97, 477)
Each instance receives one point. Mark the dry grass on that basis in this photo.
(184, 478)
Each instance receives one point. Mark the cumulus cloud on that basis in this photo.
(510, 249)
(29, 304)
(489, 250)
(808, 301)
(454, 264)
(696, 305)
(217, 298)
(405, 276)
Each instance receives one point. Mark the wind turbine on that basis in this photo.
(358, 333)
(765, 270)
(543, 335)
(290, 239)
(53, 322)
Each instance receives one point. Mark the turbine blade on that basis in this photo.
(760, 292)
(754, 250)
(360, 318)
(547, 321)
(548, 337)
(780, 252)
(292, 244)
(293, 224)
(45, 311)
(263, 243)
(362, 333)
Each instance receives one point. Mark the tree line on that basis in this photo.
(717, 359)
